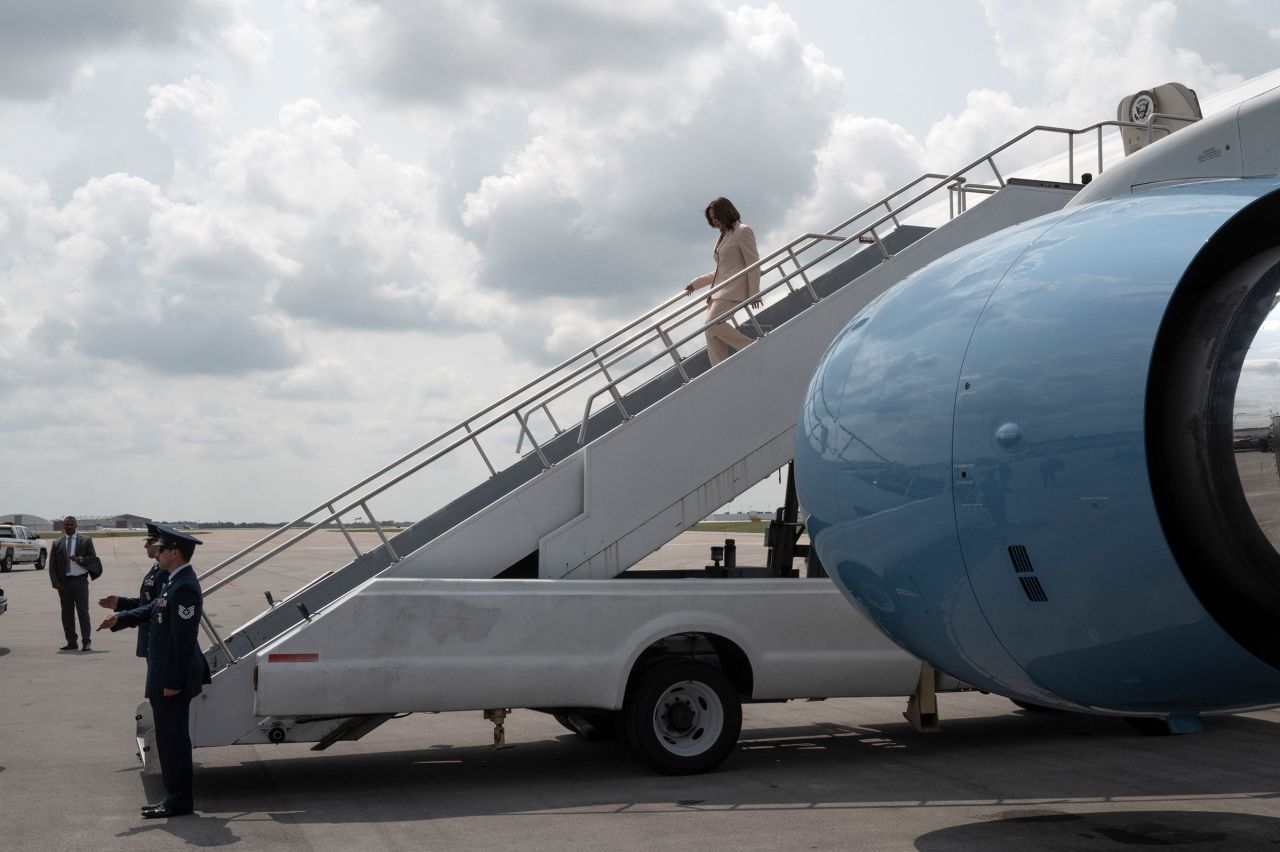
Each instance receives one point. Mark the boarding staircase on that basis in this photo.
(662, 441)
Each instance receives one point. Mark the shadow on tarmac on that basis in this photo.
(1019, 759)
(1111, 830)
(194, 830)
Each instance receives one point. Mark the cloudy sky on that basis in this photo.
(251, 251)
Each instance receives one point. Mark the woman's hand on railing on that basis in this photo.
(757, 303)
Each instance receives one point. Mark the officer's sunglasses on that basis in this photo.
(163, 547)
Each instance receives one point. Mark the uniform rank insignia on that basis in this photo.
(186, 611)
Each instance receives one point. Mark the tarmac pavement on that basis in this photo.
(839, 774)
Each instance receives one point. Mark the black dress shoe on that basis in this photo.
(86, 646)
(163, 811)
(70, 646)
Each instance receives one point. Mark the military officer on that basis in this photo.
(152, 583)
(176, 667)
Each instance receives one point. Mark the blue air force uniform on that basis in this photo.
(149, 591)
(175, 662)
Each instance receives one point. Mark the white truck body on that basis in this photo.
(399, 645)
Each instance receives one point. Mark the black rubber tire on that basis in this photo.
(6, 562)
(706, 724)
(40, 560)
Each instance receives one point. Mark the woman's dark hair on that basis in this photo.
(724, 211)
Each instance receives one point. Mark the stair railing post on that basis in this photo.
(600, 363)
(343, 527)
(554, 424)
(803, 276)
(893, 214)
(884, 252)
(208, 626)
(991, 161)
(395, 557)
(675, 355)
(617, 400)
(476, 441)
(524, 427)
(586, 418)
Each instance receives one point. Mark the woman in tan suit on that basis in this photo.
(735, 251)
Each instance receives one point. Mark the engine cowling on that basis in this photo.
(1019, 462)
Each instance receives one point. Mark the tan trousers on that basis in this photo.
(723, 338)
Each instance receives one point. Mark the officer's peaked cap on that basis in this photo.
(169, 537)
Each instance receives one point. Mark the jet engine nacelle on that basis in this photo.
(1019, 461)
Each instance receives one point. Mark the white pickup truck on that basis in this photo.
(667, 663)
(19, 544)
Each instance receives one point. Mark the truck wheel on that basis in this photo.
(40, 559)
(6, 562)
(683, 717)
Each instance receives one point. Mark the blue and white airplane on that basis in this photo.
(1019, 461)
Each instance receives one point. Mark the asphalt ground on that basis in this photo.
(839, 774)
(1261, 481)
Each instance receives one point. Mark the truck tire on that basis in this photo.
(40, 560)
(6, 562)
(682, 717)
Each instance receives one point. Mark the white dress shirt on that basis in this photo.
(74, 569)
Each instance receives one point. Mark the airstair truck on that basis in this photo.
(517, 593)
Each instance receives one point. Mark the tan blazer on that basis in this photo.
(733, 254)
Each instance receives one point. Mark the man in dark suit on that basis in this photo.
(152, 583)
(70, 576)
(176, 667)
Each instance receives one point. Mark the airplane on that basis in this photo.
(1060, 394)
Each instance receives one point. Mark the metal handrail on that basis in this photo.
(955, 179)
(644, 331)
(466, 424)
(677, 316)
(462, 425)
